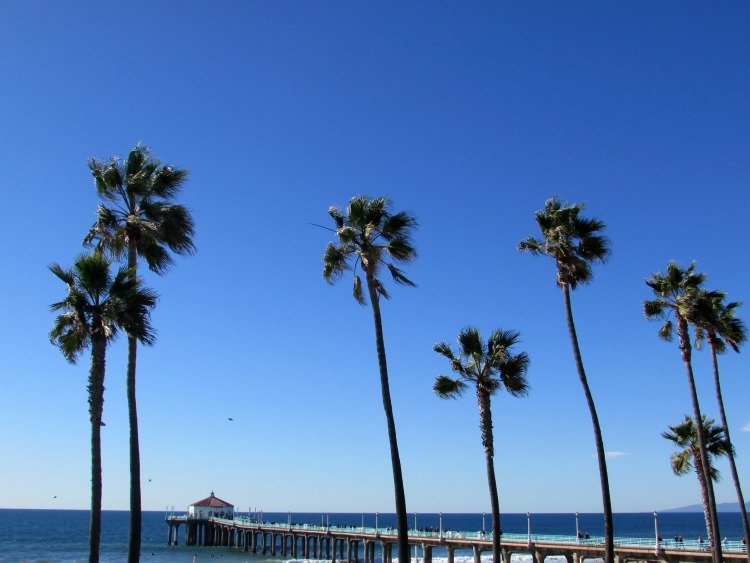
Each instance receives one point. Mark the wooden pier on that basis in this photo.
(343, 544)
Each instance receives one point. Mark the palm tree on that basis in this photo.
(96, 307)
(574, 243)
(143, 222)
(490, 367)
(716, 322)
(685, 437)
(370, 237)
(676, 294)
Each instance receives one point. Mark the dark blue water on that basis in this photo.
(62, 535)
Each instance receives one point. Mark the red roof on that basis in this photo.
(213, 501)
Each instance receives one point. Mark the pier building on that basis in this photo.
(209, 507)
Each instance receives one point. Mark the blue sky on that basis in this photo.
(467, 115)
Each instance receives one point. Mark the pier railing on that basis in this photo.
(539, 539)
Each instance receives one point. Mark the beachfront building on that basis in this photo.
(210, 506)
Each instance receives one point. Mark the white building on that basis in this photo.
(210, 506)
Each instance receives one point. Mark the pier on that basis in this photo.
(359, 544)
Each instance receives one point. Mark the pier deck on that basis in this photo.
(342, 544)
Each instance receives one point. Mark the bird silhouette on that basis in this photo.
(231, 419)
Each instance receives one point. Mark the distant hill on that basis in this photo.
(721, 507)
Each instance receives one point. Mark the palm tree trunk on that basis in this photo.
(402, 527)
(485, 425)
(732, 465)
(699, 470)
(134, 537)
(685, 350)
(96, 407)
(609, 544)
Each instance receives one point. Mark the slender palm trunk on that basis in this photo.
(402, 527)
(686, 351)
(134, 538)
(96, 407)
(485, 425)
(702, 473)
(609, 544)
(732, 465)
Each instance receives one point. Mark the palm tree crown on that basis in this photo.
(716, 321)
(574, 242)
(99, 304)
(491, 366)
(685, 436)
(140, 190)
(369, 235)
(678, 291)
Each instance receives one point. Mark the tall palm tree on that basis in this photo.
(685, 437)
(490, 367)
(676, 294)
(370, 237)
(96, 307)
(141, 221)
(574, 243)
(716, 322)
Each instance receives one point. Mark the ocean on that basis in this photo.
(62, 535)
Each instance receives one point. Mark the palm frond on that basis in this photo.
(70, 337)
(399, 248)
(92, 273)
(64, 275)
(381, 289)
(595, 248)
(156, 256)
(347, 235)
(355, 212)
(448, 388)
(399, 277)
(398, 225)
(177, 229)
(359, 296)
(444, 349)
(501, 340)
(334, 263)
(513, 374)
(531, 245)
(335, 212)
(681, 463)
(168, 181)
(653, 308)
(666, 331)
(471, 342)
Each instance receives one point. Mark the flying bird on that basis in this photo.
(231, 419)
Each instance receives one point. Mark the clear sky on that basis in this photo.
(468, 115)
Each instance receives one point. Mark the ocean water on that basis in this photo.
(62, 535)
